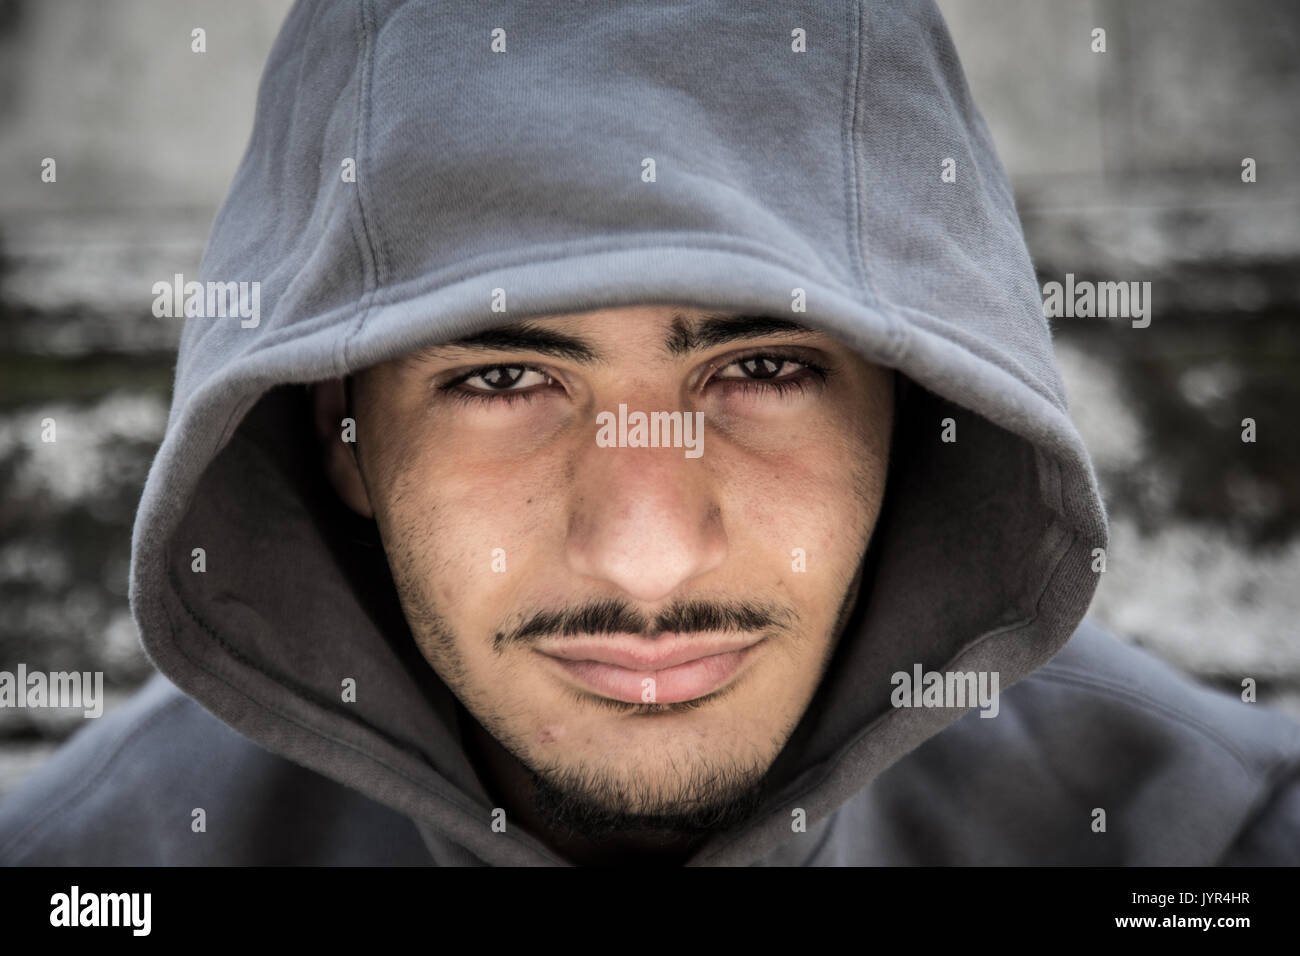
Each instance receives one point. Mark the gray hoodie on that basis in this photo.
(409, 159)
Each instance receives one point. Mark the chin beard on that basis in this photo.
(595, 806)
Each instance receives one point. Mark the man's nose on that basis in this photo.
(646, 520)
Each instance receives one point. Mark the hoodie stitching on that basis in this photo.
(109, 759)
(858, 26)
(852, 82)
(372, 280)
(1132, 696)
(369, 227)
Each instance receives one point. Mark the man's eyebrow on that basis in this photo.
(685, 335)
(713, 329)
(525, 337)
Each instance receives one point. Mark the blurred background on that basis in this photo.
(1126, 166)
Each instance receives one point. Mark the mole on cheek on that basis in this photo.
(549, 735)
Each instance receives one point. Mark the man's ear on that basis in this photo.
(337, 436)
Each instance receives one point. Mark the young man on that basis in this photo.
(644, 446)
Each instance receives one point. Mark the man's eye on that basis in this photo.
(763, 367)
(498, 383)
(500, 378)
(768, 373)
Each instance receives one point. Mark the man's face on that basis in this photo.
(642, 627)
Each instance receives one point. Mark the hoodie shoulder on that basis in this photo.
(1239, 761)
(1104, 756)
(125, 791)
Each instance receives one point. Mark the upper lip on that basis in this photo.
(645, 654)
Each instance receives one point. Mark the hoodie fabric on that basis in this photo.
(779, 175)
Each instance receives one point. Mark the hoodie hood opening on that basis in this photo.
(297, 596)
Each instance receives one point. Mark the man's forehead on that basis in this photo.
(683, 333)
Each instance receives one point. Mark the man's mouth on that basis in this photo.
(668, 669)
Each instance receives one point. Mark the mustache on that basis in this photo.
(612, 616)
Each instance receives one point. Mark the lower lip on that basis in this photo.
(671, 685)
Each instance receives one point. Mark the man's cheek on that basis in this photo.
(438, 535)
(487, 549)
(794, 511)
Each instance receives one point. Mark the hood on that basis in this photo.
(776, 169)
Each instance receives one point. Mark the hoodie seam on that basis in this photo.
(369, 228)
(857, 237)
(852, 90)
(1133, 697)
(372, 280)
